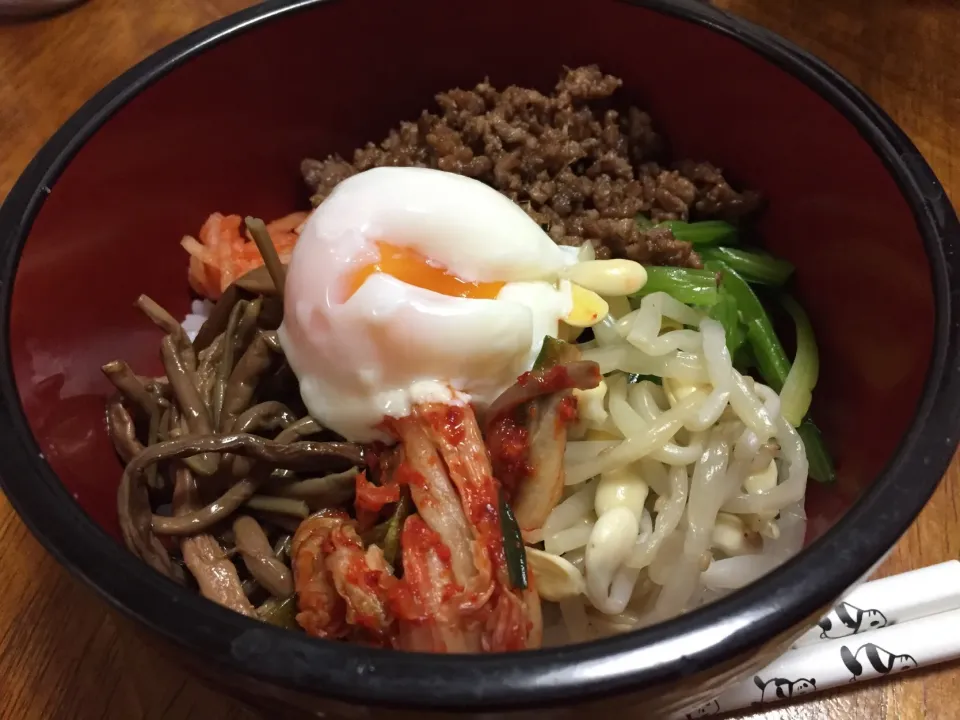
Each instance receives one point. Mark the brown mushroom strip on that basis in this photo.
(207, 372)
(243, 334)
(267, 415)
(158, 386)
(264, 416)
(247, 324)
(192, 408)
(122, 430)
(163, 429)
(260, 559)
(301, 428)
(278, 506)
(135, 516)
(224, 506)
(271, 313)
(322, 492)
(169, 424)
(188, 397)
(166, 321)
(258, 231)
(210, 355)
(244, 378)
(216, 575)
(130, 386)
(257, 282)
(272, 340)
(153, 435)
(216, 323)
(127, 382)
(258, 556)
(250, 478)
(205, 517)
(133, 502)
(225, 366)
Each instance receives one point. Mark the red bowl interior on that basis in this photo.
(226, 132)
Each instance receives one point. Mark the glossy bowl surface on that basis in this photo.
(220, 121)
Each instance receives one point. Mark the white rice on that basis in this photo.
(199, 312)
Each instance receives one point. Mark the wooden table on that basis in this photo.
(63, 656)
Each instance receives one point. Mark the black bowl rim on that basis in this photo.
(734, 626)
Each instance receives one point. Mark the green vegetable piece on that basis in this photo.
(705, 234)
(771, 358)
(282, 613)
(634, 378)
(376, 534)
(754, 267)
(391, 539)
(797, 392)
(687, 285)
(821, 465)
(513, 550)
(772, 362)
(555, 352)
(743, 359)
(725, 313)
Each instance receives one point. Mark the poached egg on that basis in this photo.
(411, 285)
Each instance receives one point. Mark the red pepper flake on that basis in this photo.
(450, 591)
(568, 410)
(453, 428)
(483, 513)
(448, 422)
(372, 497)
(426, 538)
(405, 602)
(549, 381)
(442, 551)
(406, 475)
(555, 379)
(508, 442)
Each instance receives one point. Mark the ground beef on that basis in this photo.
(576, 165)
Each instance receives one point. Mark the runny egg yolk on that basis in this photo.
(410, 267)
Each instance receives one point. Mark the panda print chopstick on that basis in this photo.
(889, 601)
(879, 629)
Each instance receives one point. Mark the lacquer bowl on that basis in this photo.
(220, 121)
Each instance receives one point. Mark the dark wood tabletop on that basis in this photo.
(64, 656)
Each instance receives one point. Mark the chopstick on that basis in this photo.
(881, 628)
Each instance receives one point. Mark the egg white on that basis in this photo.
(392, 345)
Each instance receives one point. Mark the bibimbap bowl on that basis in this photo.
(222, 119)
